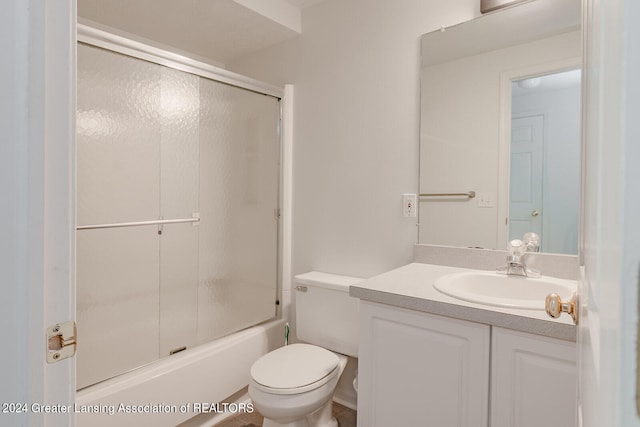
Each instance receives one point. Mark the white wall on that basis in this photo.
(356, 74)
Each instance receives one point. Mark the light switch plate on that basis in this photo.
(485, 200)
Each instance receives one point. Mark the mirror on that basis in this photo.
(490, 88)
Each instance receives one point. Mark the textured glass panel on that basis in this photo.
(179, 143)
(118, 131)
(238, 195)
(178, 287)
(117, 301)
(178, 199)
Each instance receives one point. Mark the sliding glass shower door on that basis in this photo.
(177, 187)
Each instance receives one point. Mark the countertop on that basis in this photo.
(410, 287)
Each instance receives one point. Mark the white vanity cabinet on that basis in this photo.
(420, 369)
(533, 381)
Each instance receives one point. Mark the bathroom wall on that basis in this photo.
(356, 115)
(355, 69)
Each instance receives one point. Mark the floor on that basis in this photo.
(346, 418)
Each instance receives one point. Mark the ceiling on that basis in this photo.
(220, 31)
(304, 3)
(549, 82)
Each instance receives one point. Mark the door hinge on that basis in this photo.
(61, 341)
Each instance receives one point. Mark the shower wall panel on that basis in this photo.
(157, 143)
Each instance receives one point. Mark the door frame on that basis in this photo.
(609, 380)
(38, 187)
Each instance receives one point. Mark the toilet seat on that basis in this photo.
(294, 369)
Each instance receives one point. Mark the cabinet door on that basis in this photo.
(533, 380)
(417, 369)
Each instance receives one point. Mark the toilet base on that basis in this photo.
(322, 417)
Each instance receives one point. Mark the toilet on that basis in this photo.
(293, 386)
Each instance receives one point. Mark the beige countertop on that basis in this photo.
(411, 287)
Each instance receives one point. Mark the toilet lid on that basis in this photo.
(294, 366)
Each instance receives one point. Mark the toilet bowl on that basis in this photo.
(293, 386)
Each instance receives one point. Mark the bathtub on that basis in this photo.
(178, 387)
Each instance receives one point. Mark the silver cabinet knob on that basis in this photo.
(535, 213)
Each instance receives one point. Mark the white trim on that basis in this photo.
(287, 198)
(154, 43)
(103, 39)
(59, 196)
(37, 174)
(504, 152)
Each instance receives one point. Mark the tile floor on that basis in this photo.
(346, 418)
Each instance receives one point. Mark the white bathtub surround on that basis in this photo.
(206, 374)
(553, 265)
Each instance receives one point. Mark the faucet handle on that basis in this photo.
(531, 242)
(516, 247)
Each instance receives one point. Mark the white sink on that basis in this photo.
(503, 290)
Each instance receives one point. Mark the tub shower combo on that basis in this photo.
(177, 237)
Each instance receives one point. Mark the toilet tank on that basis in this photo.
(325, 313)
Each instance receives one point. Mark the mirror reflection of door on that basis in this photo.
(525, 186)
(545, 166)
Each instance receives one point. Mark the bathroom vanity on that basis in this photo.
(427, 358)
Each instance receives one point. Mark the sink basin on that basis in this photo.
(501, 290)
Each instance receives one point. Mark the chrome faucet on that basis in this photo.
(515, 259)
